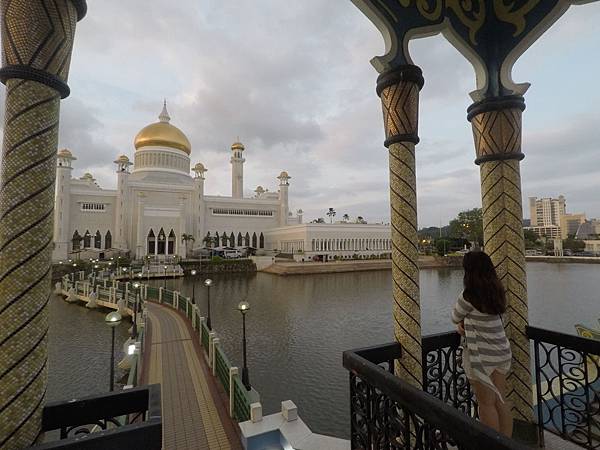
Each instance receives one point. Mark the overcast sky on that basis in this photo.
(294, 82)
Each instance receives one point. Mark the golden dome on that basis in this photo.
(123, 158)
(163, 134)
(237, 146)
(200, 168)
(284, 174)
(65, 152)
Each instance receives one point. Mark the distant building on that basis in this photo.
(592, 246)
(588, 230)
(570, 223)
(545, 212)
(549, 218)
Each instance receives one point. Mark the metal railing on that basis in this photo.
(241, 401)
(389, 413)
(567, 376)
(443, 373)
(127, 419)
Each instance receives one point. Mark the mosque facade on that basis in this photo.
(159, 210)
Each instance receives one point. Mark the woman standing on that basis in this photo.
(486, 350)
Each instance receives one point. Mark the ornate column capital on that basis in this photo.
(496, 124)
(37, 40)
(399, 93)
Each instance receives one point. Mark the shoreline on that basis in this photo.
(285, 268)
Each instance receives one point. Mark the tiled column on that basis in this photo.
(399, 93)
(37, 38)
(496, 126)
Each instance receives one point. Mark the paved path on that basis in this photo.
(193, 411)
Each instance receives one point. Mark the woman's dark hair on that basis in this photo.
(482, 288)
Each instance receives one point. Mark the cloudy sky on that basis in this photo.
(294, 82)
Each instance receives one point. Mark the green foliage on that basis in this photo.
(531, 239)
(216, 259)
(442, 246)
(468, 225)
(573, 244)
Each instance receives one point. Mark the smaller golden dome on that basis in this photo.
(283, 174)
(123, 158)
(87, 176)
(237, 146)
(200, 168)
(65, 152)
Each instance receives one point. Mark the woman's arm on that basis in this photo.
(461, 309)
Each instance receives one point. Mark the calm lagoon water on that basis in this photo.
(298, 327)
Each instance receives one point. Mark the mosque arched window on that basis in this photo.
(76, 241)
(161, 242)
(217, 239)
(224, 239)
(171, 243)
(107, 240)
(87, 239)
(261, 241)
(254, 240)
(247, 240)
(232, 240)
(151, 242)
(98, 240)
(240, 241)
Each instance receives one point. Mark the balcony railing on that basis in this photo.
(567, 378)
(125, 419)
(388, 413)
(567, 391)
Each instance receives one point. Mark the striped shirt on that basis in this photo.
(486, 347)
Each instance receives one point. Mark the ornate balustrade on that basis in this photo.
(389, 413)
(567, 377)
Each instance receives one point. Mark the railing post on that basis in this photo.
(215, 347)
(202, 321)
(160, 292)
(233, 372)
(211, 336)
(176, 300)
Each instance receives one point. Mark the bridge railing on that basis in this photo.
(240, 399)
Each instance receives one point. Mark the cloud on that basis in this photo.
(293, 81)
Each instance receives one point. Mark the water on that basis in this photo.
(298, 326)
(79, 351)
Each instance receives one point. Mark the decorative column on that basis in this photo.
(37, 39)
(399, 93)
(140, 235)
(496, 124)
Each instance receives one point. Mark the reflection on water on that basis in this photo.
(79, 351)
(298, 327)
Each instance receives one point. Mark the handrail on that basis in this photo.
(420, 408)
(563, 339)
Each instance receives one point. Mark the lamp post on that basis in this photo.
(74, 269)
(96, 266)
(112, 319)
(208, 283)
(244, 307)
(165, 283)
(124, 269)
(194, 272)
(136, 286)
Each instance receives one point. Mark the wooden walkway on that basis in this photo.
(193, 409)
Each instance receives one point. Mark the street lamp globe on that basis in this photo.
(207, 282)
(136, 285)
(193, 272)
(113, 319)
(124, 269)
(96, 266)
(243, 306)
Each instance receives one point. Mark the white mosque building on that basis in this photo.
(157, 204)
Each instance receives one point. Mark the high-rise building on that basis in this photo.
(549, 217)
(546, 211)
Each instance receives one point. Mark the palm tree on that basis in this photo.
(346, 217)
(185, 238)
(360, 219)
(331, 214)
